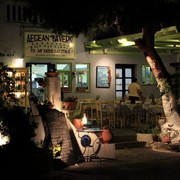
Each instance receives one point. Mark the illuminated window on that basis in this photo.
(82, 72)
(64, 70)
(147, 76)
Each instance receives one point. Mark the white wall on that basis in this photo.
(11, 38)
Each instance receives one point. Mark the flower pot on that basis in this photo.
(70, 105)
(52, 74)
(165, 139)
(77, 123)
(106, 136)
(65, 89)
(81, 89)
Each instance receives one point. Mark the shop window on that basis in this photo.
(64, 70)
(147, 75)
(82, 74)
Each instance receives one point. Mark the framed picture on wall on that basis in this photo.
(103, 77)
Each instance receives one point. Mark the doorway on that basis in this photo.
(36, 75)
(123, 77)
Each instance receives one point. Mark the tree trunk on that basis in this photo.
(163, 78)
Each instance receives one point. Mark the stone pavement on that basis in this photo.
(130, 164)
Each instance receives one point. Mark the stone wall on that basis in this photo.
(59, 133)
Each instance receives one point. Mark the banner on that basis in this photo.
(49, 45)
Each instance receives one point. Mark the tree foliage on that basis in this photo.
(107, 18)
(14, 122)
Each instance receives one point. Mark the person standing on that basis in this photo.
(134, 91)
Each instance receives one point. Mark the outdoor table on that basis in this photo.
(128, 113)
(88, 142)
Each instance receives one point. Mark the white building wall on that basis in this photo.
(11, 39)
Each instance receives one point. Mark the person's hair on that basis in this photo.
(134, 79)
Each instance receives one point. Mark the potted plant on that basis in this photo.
(70, 103)
(106, 134)
(156, 133)
(77, 119)
(149, 132)
(75, 116)
(52, 72)
(165, 138)
(144, 133)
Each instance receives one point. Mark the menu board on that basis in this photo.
(102, 77)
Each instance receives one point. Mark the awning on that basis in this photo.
(167, 41)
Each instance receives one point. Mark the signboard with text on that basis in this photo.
(49, 45)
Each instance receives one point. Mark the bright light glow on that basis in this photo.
(71, 45)
(3, 139)
(84, 119)
(17, 94)
(9, 74)
(125, 42)
(18, 62)
(172, 45)
(129, 43)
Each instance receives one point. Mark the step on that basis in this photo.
(130, 144)
(126, 138)
(123, 138)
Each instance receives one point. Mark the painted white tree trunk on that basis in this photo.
(172, 124)
(163, 78)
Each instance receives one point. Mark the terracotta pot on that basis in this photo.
(52, 74)
(77, 123)
(166, 139)
(70, 105)
(106, 136)
(81, 89)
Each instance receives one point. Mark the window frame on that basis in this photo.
(64, 73)
(76, 72)
(148, 78)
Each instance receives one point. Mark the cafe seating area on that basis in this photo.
(121, 114)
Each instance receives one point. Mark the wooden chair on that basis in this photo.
(108, 114)
(95, 112)
(85, 107)
(92, 108)
(99, 113)
(123, 116)
(138, 115)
